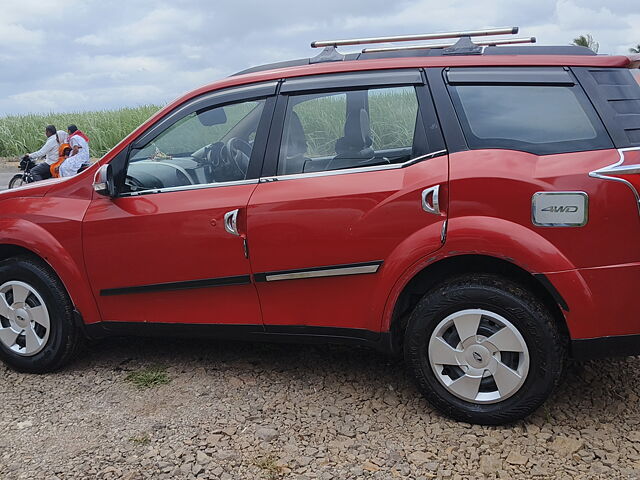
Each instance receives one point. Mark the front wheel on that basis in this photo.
(17, 180)
(37, 331)
(483, 350)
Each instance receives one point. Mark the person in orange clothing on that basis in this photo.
(64, 150)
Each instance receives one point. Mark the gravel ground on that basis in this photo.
(260, 411)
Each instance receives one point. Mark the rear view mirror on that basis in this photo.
(103, 181)
(212, 116)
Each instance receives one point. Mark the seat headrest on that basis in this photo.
(296, 143)
(357, 133)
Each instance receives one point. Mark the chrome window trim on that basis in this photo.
(345, 171)
(614, 168)
(189, 187)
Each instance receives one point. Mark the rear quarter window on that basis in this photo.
(615, 92)
(540, 119)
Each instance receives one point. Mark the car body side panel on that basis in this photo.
(335, 220)
(147, 254)
(500, 184)
(601, 300)
(50, 227)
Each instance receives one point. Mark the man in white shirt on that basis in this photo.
(79, 152)
(50, 153)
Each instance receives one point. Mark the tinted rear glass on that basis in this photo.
(533, 118)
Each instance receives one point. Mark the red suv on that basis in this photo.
(474, 207)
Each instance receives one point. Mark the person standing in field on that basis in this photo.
(50, 153)
(79, 157)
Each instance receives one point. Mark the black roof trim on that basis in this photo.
(435, 52)
(539, 50)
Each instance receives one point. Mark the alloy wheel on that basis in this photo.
(24, 319)
(478, 356)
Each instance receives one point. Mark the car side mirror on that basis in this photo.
(103, 182)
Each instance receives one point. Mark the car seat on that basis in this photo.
(355, 147)
(292, 156)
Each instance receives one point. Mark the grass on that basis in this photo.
(141, 440)
(149, 377)
(269, 466)
(392, 114)
(20, 134)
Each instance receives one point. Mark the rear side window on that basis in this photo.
(349, 129)
(540, 119)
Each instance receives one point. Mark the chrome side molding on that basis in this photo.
(318, 272)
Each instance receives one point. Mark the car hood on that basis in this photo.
(36, 189)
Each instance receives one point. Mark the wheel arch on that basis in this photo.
(21, 237)
(441, 270)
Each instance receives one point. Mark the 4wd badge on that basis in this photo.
(560, 209)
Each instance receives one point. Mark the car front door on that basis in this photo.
(355, 182)
(171, 247)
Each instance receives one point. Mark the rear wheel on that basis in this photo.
(17, 180)
(37, 331)
(483, 350)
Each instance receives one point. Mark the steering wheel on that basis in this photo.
(236, 154)
(133, 184)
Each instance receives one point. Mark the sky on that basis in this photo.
(62, 56)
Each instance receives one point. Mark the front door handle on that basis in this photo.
(231, 222)
(434, 205)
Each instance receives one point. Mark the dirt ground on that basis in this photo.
(261, 411)
(9, 163)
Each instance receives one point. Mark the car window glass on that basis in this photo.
(393, 113)
(209, 146)
(348, 129)
(537, 119)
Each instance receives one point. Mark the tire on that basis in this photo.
(37, 329)
(17, 180)
(471, 375)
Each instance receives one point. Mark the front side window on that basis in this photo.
(541, 119)
(350, 129)
(207, 146)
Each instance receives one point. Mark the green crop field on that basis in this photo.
(21, 134)
(392, 115)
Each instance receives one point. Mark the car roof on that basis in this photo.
(285, 72)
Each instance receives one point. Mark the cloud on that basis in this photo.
(97, 54)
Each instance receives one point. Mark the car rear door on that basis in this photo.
(354, 170)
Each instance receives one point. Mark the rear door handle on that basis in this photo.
(434, 206)
(231, 222)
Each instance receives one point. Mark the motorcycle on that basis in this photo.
(26, 164)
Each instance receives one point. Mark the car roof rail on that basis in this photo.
(463, 45)
(426, 46)
(422, 36)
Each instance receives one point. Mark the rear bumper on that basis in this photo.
(615, 346)
(603, 316)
